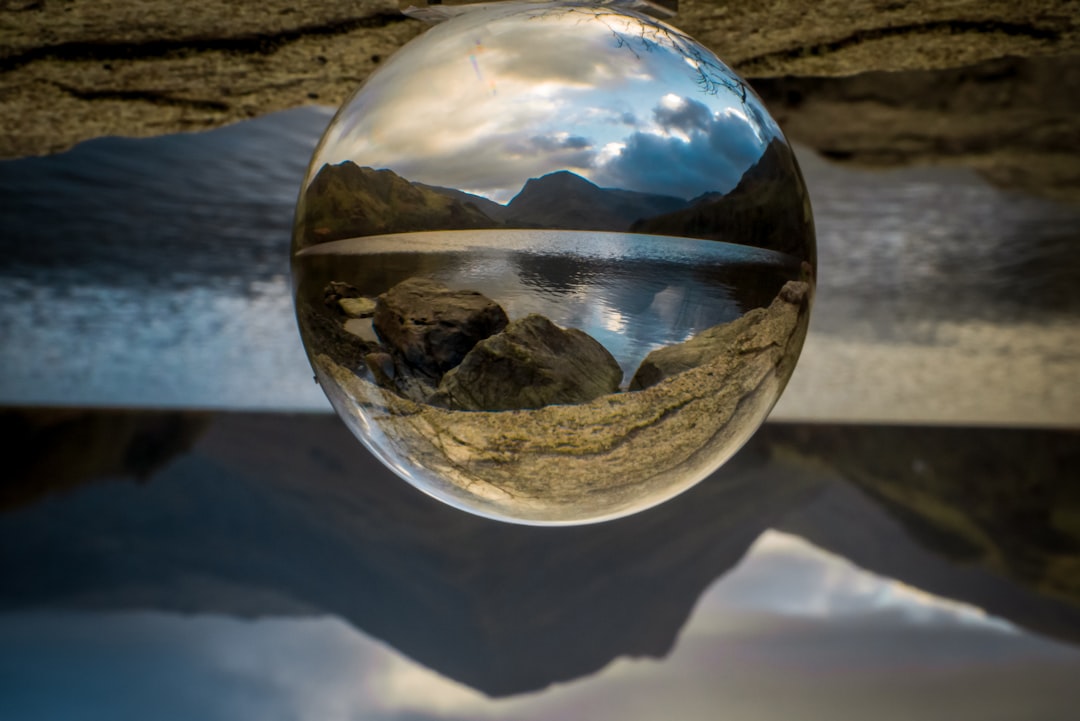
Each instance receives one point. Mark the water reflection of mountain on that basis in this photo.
(765, 210)
(277, 515)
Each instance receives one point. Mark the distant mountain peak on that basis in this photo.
(766, 209)
(564, 199)
(560, 180)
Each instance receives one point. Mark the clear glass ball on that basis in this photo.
(553, 263)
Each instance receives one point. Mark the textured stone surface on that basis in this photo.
(432, 327)
(357, 307)
(532, 363)
(541, 464)
(362, 328)
(749, 334)
(336, 291)
(77, 69)
(844, 37)
(1015, 120)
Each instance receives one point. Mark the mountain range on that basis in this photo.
(566, 200)
(349, 201)
(764, 209)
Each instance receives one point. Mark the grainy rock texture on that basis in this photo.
(532, 363)
(337, 291)
(76, 69)
(541, 464)
(737, 337)
(1015, 120)
(432, 327)
(357, 307)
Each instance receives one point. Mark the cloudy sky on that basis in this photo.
(486, 101)
(792, 632)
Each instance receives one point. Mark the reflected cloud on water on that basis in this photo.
(747, 650)
(274, 518)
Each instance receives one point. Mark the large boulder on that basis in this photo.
(431, 327)
(748, 334)
(532, 364)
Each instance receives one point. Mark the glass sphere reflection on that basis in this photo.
(553, 263)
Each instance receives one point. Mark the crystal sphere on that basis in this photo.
(553, 263)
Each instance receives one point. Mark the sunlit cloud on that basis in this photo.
(679, 113)
(506, 100)
(688, 150)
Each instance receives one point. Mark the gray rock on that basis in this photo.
(58, 90)
(747, 334)
(1014, 120)
(391, 373)
(336, 291)
(357, 307)
(531, 364)
(327, 334)
(432, 327)
(381, 366)
(362, 329)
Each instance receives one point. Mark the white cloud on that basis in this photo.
(791, 632)
(463, 105)
(786, 575)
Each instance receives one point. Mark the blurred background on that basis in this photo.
(186, 531)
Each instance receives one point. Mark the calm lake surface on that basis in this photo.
(273, 569)
(156, 273)
(632, 293)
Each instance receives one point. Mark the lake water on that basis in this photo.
(278, 569)
(156, 273)
(632, 293)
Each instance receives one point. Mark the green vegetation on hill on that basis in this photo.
(765, 210)
(348, 201)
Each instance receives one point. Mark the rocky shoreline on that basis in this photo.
(612, 454)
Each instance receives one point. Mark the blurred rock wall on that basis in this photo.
(868, 81)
